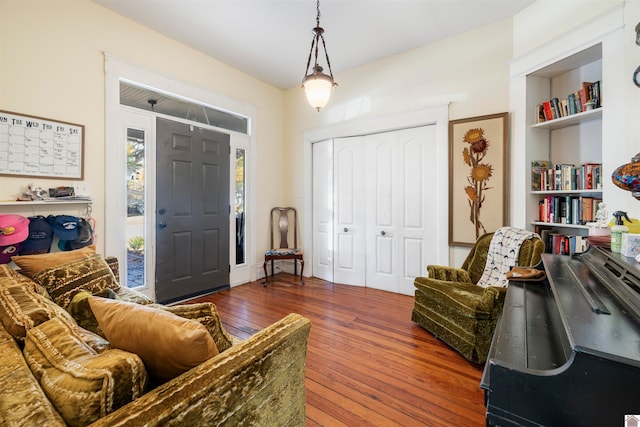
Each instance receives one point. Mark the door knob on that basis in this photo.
(383, 233)
(346, 229)
(162, 224)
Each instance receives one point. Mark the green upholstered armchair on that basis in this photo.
(449, 304)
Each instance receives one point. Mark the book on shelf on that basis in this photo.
(539, 170)
(574, 103)
(555, 108)
(541, 117)
(567, 209)
(566, 171)
(592, 176)
(561, 243)
(571, 100)
(548, 112)
(564, 107)
(595, 93)
(565, 176)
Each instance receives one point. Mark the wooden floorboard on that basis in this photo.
(368, 364)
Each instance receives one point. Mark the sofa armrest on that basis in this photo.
(259, 381)
(449, 274)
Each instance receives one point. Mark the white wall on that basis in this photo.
(469, 70)
(51, 65)
(548, 19)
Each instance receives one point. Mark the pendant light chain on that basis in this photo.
(326, 55)
(317, 84)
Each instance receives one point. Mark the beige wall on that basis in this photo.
(51, 65)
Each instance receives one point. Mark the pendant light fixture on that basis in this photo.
(318, 85)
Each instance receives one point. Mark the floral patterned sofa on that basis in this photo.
(56, 369)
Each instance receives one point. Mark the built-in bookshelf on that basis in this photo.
(586, 53)
(565, 148)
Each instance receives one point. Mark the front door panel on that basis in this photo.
(192, 208)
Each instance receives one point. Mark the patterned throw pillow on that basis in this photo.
(82, 384)
(168, 344)
(21, 306)
(64, 281)
(30, 265)
(80, 310)
(206, 314)
(22, 400)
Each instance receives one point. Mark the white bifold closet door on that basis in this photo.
(372, 215)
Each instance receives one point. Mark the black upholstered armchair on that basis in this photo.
(450, 304)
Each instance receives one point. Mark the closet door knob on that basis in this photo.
(346, 229)
(383, 233)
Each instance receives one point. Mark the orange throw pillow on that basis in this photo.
(167, 344)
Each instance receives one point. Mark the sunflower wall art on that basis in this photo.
(477, 177)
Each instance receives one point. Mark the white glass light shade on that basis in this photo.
(318, 89)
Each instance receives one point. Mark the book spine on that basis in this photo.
(548, 113)
(555, 106)
(571, 100)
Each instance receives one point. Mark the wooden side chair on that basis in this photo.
(287, 224)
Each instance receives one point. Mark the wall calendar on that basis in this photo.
(39, 147)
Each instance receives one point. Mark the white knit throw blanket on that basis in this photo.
(503, 254)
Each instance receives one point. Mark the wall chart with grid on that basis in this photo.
(40, 147)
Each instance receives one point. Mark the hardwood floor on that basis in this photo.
(368, 364)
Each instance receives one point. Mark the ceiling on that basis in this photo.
(270, 39)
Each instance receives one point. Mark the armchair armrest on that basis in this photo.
(475, 301)
(259, 381)
(449, 274)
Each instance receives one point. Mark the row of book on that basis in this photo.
(565, 176)
(577, 210)
(562, 244)
(586, 98)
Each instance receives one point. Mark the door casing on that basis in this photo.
(117, 70)
(437, 115)
(380, 215)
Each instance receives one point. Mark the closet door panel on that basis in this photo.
(382, 202)
(413, 259)
(417, 212)
(349, 191)
(323, 210)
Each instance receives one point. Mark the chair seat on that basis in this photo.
(466, 299)
(283, 252)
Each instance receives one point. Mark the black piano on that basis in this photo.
(566, 351)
